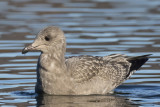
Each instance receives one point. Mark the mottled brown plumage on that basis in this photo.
(80, 75)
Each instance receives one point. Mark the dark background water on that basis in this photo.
(92, 27)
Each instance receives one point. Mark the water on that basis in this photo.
(93, 27)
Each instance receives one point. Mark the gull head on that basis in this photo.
(48, 39)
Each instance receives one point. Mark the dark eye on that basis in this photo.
(46, 38)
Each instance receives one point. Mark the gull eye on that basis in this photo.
(47, 38)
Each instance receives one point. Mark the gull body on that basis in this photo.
(79, 75)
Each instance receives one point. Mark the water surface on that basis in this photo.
(93, 27)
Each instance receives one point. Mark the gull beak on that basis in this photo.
(32, 47)
(27, 49)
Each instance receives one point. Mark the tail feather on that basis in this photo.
(136, 63)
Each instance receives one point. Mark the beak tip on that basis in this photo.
(24, 51)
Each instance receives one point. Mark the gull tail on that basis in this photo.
(136, 63)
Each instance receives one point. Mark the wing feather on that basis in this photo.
(112, 68)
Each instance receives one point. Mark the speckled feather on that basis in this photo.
(84, 68)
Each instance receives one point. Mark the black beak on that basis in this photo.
(25, 50)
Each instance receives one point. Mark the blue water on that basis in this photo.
(92, 27)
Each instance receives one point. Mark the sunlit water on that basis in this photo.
(92, 27)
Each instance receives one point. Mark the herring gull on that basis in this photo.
(78, 75)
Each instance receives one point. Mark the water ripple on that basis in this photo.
(95, 27)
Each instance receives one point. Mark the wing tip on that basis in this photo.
(137, 62)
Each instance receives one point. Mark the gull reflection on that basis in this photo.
(83, 101)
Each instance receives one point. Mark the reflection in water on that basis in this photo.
(83, 101)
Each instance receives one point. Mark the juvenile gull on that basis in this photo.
(79, 75)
